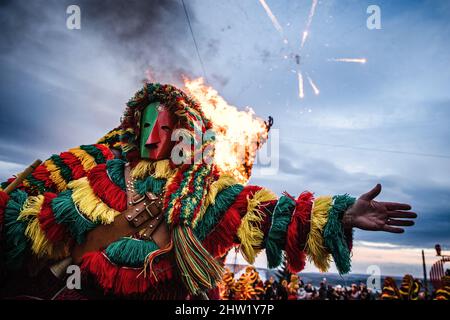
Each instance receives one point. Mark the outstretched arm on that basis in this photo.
(311, 227)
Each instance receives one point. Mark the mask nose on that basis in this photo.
(153, 139)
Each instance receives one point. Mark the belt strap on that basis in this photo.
(144, 212)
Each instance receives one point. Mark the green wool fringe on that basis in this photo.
(94, 152)
(66, 212)
(115, 169)
(200, 272)
(150, 184)
(64, 169)
(130, 138)
(130, 252)
(111, 140)
(334, 236)
(276, 238)
(214, 212)
(15, 240)
(36, 184)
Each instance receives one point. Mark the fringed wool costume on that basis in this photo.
(207, 211)
(409, 289)
(443, 293)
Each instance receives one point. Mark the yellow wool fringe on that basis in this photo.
(217, 186)
(87, 161)
(25, 183)
(110, 134)
(143, 169)
(89, 204)
(314, 245)
(55, 175)
(250, 234)
(159, 169)
(163, 170)
(40, 245)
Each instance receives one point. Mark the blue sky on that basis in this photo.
(384, 121)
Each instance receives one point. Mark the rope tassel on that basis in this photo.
(200, 271)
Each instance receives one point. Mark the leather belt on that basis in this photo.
(143, 218)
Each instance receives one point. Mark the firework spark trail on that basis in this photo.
(350, 60)
(313, 86)
(301, 92)
(304, 36)
(312, 11)
(274, 20)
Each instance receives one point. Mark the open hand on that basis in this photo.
(368, 214)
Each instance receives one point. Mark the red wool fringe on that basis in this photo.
(241, 202)
(127, 281)
(74, 164)
(267, 222)
(105, 189)
(41, 173)
(130, 281)
(107, 153)
(54, 232)
(133, 156)
(104, 272)
(297, 231)
(221, 239)
(4, 198)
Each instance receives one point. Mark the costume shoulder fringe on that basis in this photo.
(249, 233)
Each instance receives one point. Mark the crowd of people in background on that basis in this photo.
(249, 286)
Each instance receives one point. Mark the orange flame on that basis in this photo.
(239, 134)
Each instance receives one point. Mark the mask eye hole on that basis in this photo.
(165, 128)
(146, 125)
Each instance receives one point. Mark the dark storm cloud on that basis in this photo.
(51, 77)
(146, 30)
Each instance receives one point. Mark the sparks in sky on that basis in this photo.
(312, 11)
(305, 35)
(297, 56)
(313, 86)
(301, 92)
(351, 60)
(274, 20)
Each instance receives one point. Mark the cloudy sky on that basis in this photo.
(384, 121)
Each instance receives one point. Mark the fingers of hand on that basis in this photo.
(372, 193)
(402, 214)
(391, 229)
(396, 222)
(396, 206)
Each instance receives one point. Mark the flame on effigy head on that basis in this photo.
(238, 134)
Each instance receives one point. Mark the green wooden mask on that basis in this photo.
(148, 120)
